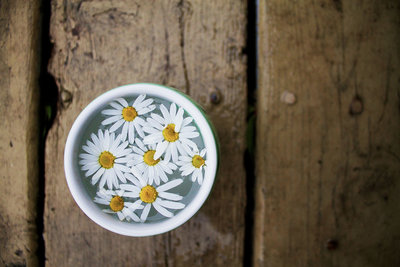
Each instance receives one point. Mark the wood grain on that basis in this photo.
(328, 164)
(19, 133)
(193, 46)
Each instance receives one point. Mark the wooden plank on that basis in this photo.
(19, 133)
(328, 152)
(193, 46)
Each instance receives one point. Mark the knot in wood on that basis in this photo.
(332, 244)
(356, 106)
(215, 97)
(288, 98)
(66, 98)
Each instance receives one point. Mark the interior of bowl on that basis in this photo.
(193, 192)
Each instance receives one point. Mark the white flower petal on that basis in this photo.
(131, 133)
(188, 129)
(163, 211)
(170, 196)
(101, 201)
(117, 125)
(145, 103)
(124, 132)
(115, 144)
(136, 205)
(103, 179)
(185, 158)
(188, 171)
(165, 167)
(138, 100)
(169, 185)
(120, 216)
(88, 157)
(200, 177)
(101, 136)
(140, 121)
(140, 144)
(163, 176)
(153, 138)
(112, 112)
(187, 166)
(144, 111)
(161, 147)
(92, 170)
(156, 174)
(167, 156)
(189, 135)
(111, 119)
(139, 129)
(165, 113)
(141, 166)
(145, 212)
(124, 153)
(110, 178)
(89, 150)
(186, 142)
(135, 171)
(88, 162)
(132, 179)
(203, 152)
(158, 118)
(122, 160)
(118, 172)
(150, 130)
(172, 111)
(146, 176)
(153, 123)
(180, 148)
(138, 150)
(186, 121)
(121, 167)
(106, 142)
(123, 102)
(95, 140)
(116, 106)
(97, 176)
(174, 152)
(151, 172)
(130, 188)
(134, 217)
(179, 120)
(171, 204)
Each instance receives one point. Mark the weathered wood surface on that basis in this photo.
(19, 135)
(328, 165)
(194, 46)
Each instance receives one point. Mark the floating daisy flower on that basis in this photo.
(117, 204)
(143, 163)
(105, 159)
(171, 132)
(155, 196)
(194, 164)
(128, 116)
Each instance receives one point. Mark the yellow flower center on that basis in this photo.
(117, 203)
(198, 161)
(148, 194)
(148, 158)
(169, 133)
(129, 113)
(106, 160)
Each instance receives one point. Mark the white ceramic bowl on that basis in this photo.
(75, 179)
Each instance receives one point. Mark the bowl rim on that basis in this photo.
(74, 179)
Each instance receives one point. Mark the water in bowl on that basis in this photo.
(187, 189)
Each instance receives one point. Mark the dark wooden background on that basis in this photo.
(325, 76)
